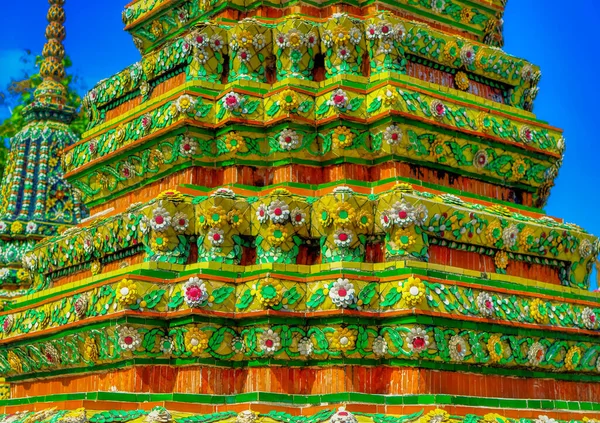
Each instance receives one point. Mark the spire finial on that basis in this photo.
(52, 70)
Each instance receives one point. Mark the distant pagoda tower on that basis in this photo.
(35, 199)
(310, 212)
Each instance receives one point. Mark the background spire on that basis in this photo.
(52, 70)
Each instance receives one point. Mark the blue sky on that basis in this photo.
(560, 37)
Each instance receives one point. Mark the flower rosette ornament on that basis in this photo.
(269, 342)
(343, 416)
(161, 218)
(233, 102)
(51, 354)
(166, 345)
(339, 100)
(280, 227)
(298, 217)
(573, 358)
(23, 275)
(288, 140)
(262, 215)
(438, 150)
(438, 6)
(589, 319)
(279, 211)
(481, 159)
(344, 214)
(198, 39)
(194, 292)
(538, 311)
(31, 228)
(180, 222)
(342, 137)
(496, 349)
(126, 292)
(493, 233)
(187, 146)
(233, 142)
(526, 134)
(145, 124)
(342, 293)
(501, 261)
(536, 354)
(288, 101)
(278, 236)
(386, 220)
(195, 341)
(80, 306)
(161, 243)
(221, 218)
(417, 340)
(402, 214)
(420, 214)
(467, 55)
(216, 237)
(214, 217)
(184, 104)
(518, 169)
(585, 248)
(438, 109)
(404, 240)
(343, 339)
(237, 345)
(305, 347)
(392, 135)
(413, 291)
(235, 218)
(461, 80)
(269, 294)
(485, 304)
(380, 346)
(129, 338)
(8, 323)
(343, 238)
(457, 347)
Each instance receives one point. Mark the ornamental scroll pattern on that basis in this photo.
(204, 295)
(288, 343)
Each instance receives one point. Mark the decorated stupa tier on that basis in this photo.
(185, 102)
(176, 132)
(325, 213)
(299, 225)
(151, 23)
(315, 49)
(210, 301)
